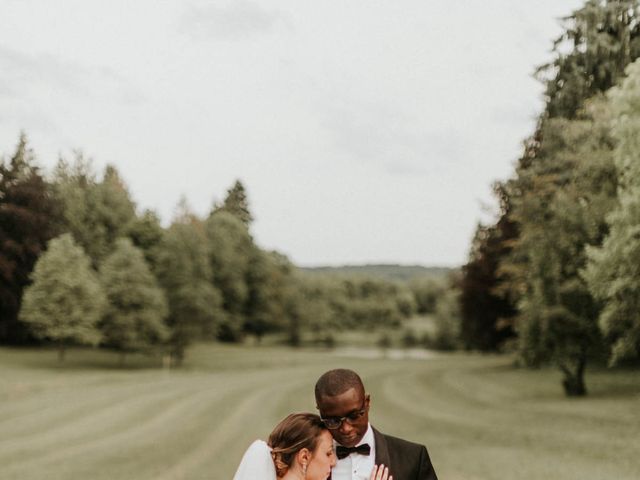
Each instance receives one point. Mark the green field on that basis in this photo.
(479, 417)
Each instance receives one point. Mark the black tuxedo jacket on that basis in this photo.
(406, 460)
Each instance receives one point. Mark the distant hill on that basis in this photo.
(384, 271)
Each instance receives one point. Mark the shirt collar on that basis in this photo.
(368, 437)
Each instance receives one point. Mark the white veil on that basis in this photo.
(256, 463)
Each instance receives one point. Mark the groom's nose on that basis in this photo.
(346, 428)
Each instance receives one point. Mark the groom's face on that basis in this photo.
(352, 407)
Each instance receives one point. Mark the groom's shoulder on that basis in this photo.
(396, 443)
(402, 443)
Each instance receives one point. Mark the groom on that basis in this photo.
(344, 408)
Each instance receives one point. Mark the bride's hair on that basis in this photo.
(297, 431)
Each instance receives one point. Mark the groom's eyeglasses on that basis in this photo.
(334, 422)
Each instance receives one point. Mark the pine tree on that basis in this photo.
(184, 272)
(599, 40)
(230, 250)
(237, 203)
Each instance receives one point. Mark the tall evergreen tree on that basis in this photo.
(29, 217)
(599, 40)
(237, 203)
(134, 317)
(184, 272)
(230, 251)
(66, 301)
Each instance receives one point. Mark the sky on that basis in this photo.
(364, 131)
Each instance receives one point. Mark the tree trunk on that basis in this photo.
(177, 357)
(573, 381)
(61, 352)
(166, 361)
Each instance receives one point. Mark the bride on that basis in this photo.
(300, 447)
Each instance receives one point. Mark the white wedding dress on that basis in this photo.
(256, 463)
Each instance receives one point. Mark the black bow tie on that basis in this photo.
(343, 452)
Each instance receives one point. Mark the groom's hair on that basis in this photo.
(335, 382)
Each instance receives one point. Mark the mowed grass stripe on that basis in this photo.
(195, 440)
(150, 420)
(24, 396)
(448, 405)
(175, 430)
(214, 445)
(77, 426)
(554, 430)
(66, 408)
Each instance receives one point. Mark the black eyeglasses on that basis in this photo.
(334, 422)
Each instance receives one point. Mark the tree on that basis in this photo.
(184, 272)
(599, 41)
(612, 271)
(275, 301)
(426, 291)
(29, 218)
(66, 301)
(230, 249)
(447, 321)
(95, 212)
(487, 309)
(571, 188)
(134, 317)
(146, 234)
(542, 261)
(267, 287)
(113, 209)
(237, 203)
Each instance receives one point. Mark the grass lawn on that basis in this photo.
(480, 418)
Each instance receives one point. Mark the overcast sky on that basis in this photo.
(364, 130)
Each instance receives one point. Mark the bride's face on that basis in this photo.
(323, 459)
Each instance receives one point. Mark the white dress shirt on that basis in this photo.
(356, 466)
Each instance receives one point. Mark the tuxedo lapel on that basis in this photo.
(382, 449)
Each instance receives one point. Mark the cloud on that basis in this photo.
(237, 20)
(26, 74)
(392, 140)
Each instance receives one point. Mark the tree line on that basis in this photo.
(558, 273)
(80, 265)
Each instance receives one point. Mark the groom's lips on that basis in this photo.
(347, 440)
